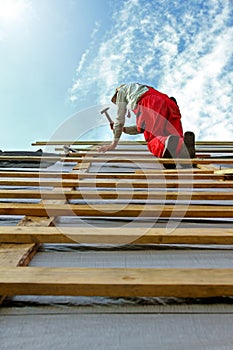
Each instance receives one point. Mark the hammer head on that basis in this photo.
(104, 110)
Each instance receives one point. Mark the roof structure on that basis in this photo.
(125, 254)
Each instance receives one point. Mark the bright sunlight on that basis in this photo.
(13, 10)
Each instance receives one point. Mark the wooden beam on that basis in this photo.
(194, 171)
(110, 235)
(144, 151)
(16, 254)
(81, 167)
(93, 142)
(82, 143)
(137, 175)
(117, 282)
(106, 159)
(117, 210)
(31, 158)
(225, 172)
(27, 221)
(214, 143)
(117, 153)
(12, 255)
(116, 184)
(225, 149)
(112, 194)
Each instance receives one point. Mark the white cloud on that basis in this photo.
(183, 49)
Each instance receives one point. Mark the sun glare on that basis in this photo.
(12, 10)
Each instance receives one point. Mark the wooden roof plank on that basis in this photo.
(115, 282)
(94, 142)
(113, 183)
(111, 235)
(144, 151)
(117, 195)
(104, 158)
(136, 176)
(16, 255)
(117, 210)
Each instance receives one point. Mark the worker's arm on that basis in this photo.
(119, 123)
(110, 147)
(117, 131)
(118, 126)
(131, 130)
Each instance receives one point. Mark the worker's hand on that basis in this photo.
(107, 147)
(111, 126)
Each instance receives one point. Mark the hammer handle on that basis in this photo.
(109, 118)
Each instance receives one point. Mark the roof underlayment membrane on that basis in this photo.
(70, 322)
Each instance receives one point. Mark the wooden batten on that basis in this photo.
(124, 183)
(116, 195)
(107, 159)
(206, 181)
(137, 150)
(94, 235)
(21, 254)
(138, 175)
(93, 142)
(117, 210)
(12, 255)
(115, 282)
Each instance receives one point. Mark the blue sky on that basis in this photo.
(60, 57)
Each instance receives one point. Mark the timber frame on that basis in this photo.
(206, 178)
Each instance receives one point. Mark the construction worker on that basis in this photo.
(157, 116)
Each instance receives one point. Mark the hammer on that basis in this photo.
(105, 111)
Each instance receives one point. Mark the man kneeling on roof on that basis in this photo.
(157, 117)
